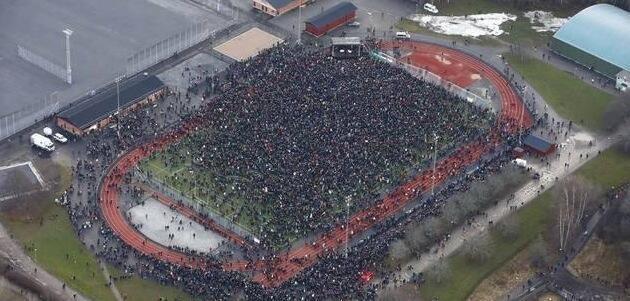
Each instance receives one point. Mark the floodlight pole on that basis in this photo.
(299, 25)
(347, 223)
(434, 163)
(68, 33)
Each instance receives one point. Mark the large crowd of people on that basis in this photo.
(296, 134)
(296, 124)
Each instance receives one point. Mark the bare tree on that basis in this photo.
(572, 197)
(439, 271)
(415, 238)
(617, 112)
(399, 250)
(478, 248)
(509, 227)
(538, 254)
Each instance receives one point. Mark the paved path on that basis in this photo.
(112, 285)
(521, 198)
(28, 266)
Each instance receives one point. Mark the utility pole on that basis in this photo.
(118, 79)
(68, 33)
(347, 223)
(434, 163)
(299, 25)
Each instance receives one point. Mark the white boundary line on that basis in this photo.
(31, 166)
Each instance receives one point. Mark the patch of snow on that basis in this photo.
(547, 22)
(156, 221)
(468, 26)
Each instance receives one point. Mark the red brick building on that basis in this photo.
(98, 111)
(338, 15)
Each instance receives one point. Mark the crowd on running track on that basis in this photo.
(276, 78)
(297, 147)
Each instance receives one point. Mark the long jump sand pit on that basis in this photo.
(248, 44)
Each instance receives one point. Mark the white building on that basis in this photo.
(623, 80)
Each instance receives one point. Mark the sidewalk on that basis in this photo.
(570, 154)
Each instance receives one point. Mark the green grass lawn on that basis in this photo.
(136, 288)
(611, 168)
(48, 237)
(568, 95)
(466, 275)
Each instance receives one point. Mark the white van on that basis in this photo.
(403, 35)
(430, 8)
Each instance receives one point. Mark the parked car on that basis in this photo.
(403, 35)
(354, 24)
(430, 8)
(60, 138)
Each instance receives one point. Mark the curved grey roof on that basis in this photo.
(602, 30)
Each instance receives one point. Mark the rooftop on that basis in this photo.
(537, 143)
(602, 30)
(93, 109)
(346, 41)
(332, 14)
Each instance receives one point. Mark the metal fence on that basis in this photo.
(43, 63)
(433, 78)
(16, 121)
(194, 204)
(168, 47)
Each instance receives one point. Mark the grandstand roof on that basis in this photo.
(95, 108)
(538, 144)
(603, 31)
(332, 14)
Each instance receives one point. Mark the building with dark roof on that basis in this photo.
(97, 111)
(538, 146)
(277, 7)
(596, 38)
(340, 14)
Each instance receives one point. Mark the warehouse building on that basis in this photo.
(277, 7)
(597, 38)
(338, 15)
(98, 111)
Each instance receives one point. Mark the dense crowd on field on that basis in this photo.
(297, 134)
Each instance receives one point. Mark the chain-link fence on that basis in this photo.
(433, 78)
(43, 63)
(14, 122)
(194, 204)
(168, 47)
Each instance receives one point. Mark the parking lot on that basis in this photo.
(105, 34)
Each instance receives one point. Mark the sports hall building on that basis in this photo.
(98, 111)
(597, 38)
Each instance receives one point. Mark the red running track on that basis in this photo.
(274, 272)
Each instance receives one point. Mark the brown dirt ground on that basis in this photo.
(504, 279)
(549, 297)
(599, 260)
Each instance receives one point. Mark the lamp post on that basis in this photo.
(68, 33)
(434, 163)
(299, 25)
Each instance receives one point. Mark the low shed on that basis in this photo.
(96, 112)
(538, 146)
(338, 15)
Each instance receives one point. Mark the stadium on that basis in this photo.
(266, 162)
